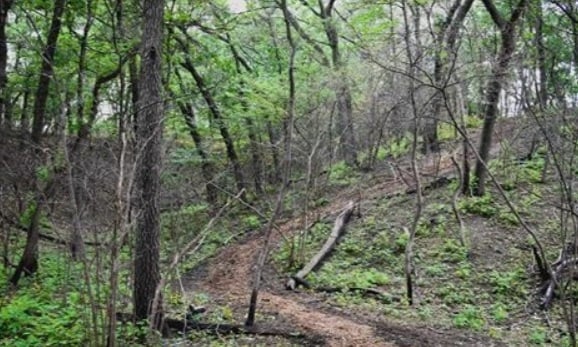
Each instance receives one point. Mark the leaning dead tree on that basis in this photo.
(336, 233)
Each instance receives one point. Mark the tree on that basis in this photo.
(46, 71)
(150, 112)
(347, 149)
(498, 76)
(28, 264)
(446, 38)
(347, 145)
(4, 8)
(289, 124)
(218, 119)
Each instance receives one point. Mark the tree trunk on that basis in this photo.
(28, 264)
(255, 156)
(150, 112)
(347, 149)
(541, 59)
(498, 77)
(5, 119)
(134, 90)
(445, 53)
(46, 71)
(275, 174)
(29, 261)
(253, 143)
(289, 122)
(83, 42)
(216, 112)
(207, 169)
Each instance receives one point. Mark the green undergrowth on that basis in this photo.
(40, 312)
(190, 223)
(54, 307)
(485, 286)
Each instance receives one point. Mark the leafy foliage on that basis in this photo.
(40, 314)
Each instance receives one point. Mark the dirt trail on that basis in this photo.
(230, 272)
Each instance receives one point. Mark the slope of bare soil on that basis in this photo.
(227, 276)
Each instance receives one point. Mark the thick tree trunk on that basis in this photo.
(5, 119)
(498, 77)
(46, 71)
(150, 112)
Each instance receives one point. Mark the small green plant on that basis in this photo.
(174, 298)
(508, 218)
(251, 222)
(320, 202)
(354, 278)
(499, 313)
(508, 283)
(479, 205)
(435, 270)
(446, 131)
(353, 248)
(538, 336)
(464, 271)
(452, 295)
(470, 318)
(340, 173)
(43, 173)
(425, 313)
(382, 153)
(473, 121)
(451, 251)
(399, 147)
(401, 242)
(532, 170)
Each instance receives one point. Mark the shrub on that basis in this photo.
(470, 317)
(479, 205)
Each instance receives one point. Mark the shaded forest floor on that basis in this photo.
(466, 297)
(479, 295)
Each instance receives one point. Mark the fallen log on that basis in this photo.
(336, 233)
(366, 292)
(561, 269)
(185, 325)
